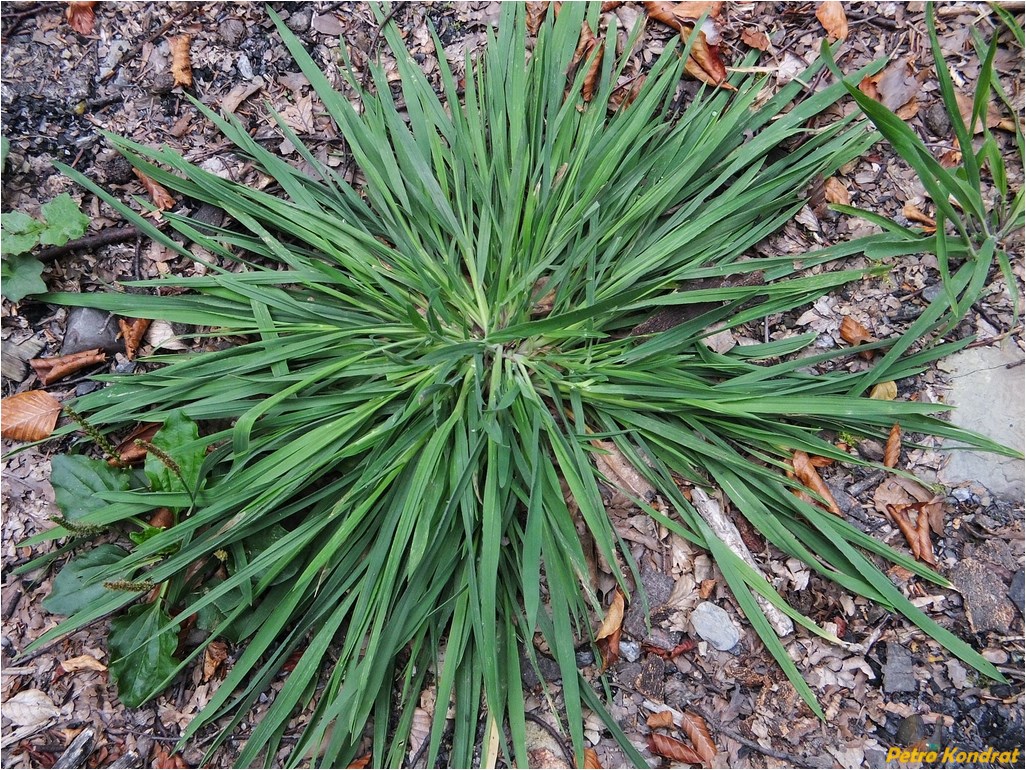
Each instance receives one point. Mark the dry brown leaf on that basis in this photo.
(671, 748)
(855, 334)
(611, 5)
(913, 214)
(868, 87)
(704, 63)
(892, 452)
(128, 451)
(591, 757)
(133, 334)
(659, 719)
(676, 14)
(835, 191)
(623, 96)
(50, 370)
(214, 657)
(181, 60)
(686, 646)
(612, 464)
(81, 17)
(925, 543)
(162, 518)
(82, 663)
(164, 759)
(831, 16)
(706, 588)
(29, 416)
(917, 531)
(755, 38)
(698, 733)
(951, 158)
(595, 55)
(536, 15)
(896, 85)
(607, 638)
(360, 762)
(993, 118)
(908, 110)
(884, 391)
(161, 198)
(809, 476)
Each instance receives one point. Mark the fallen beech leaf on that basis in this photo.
(831, 16)
(29, 416)
(676, 14)
(993, 117)
(608, 636)
(809, 476)
(884, 391)
(80, 16)
(868, 86)
(892, 452)
(128, 451)
(181, 60)
(896, 85)
(923, 529)
(698, 733)
(917, 532)
(161, 198)
(611, 463)
(82, 663)
(913, 214)
(163, 759)
(908, 110)
(754, 38)
(360, 762)
(30, 707)
(591, 757)
(214, 657)
(536, 15)
(835, 191)
(133, 334)
(855, 334)
(671, 748)
(50, 370)
(594, 54)
(659, 719)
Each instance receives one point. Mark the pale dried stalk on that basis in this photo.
(725, 530)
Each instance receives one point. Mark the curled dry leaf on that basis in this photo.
(892, 452)
(686, 646)
(133, 334)
(591, 757)
(214, 657)
(360, 762)
(671, 748)
(181, 60)
(884, 391)
(754, 38)
(623, 95)
(660, 719)
(588, 53)
(82, 663)
(161, 198)
(831, 16)
(607, 638)
(29, 416)
(915, 530)
(612, 464)
(912, 213)
(676, 14)
(835, 192)
(611, 5)
(704, 62)
(130, 453)
(81, 17)
(698, 733)
(49, 370)
(806, 472)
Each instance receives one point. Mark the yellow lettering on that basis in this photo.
(949, 754)
(892, 753)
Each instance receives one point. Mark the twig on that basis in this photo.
(555, 735)
(871, 480)
(103, 238)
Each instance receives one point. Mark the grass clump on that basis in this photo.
(399, 452)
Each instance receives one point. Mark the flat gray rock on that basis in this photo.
(1017, 591)
(989, 399)
(88, 328)
(713, 624)
(897, 671)
(985, 593)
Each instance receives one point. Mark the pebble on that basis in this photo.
(931, 292)
(232, 32)
(961, 494)
(245, 68)
(631, 651)
(825, 341)
(1017, 591)
(897, 671)
(87, 329)
(299, 21)
(713, 624)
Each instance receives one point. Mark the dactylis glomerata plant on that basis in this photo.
(397, 455)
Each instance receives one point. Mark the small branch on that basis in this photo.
(791, 759)
(78, 751)
(106, 237)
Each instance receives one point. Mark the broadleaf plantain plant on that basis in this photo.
(408, 431)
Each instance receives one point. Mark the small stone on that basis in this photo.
(713, 624)
(936, 119)
(871, 450)
(630, 651)
(162, 83)
(299, 21)
(115, 169)
(983, 589)
(87, 329)
(825, 341)
(932, 291)
(961, 494)
(327, 24)
(245, 68)
(1017, 590)
(897, 671)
